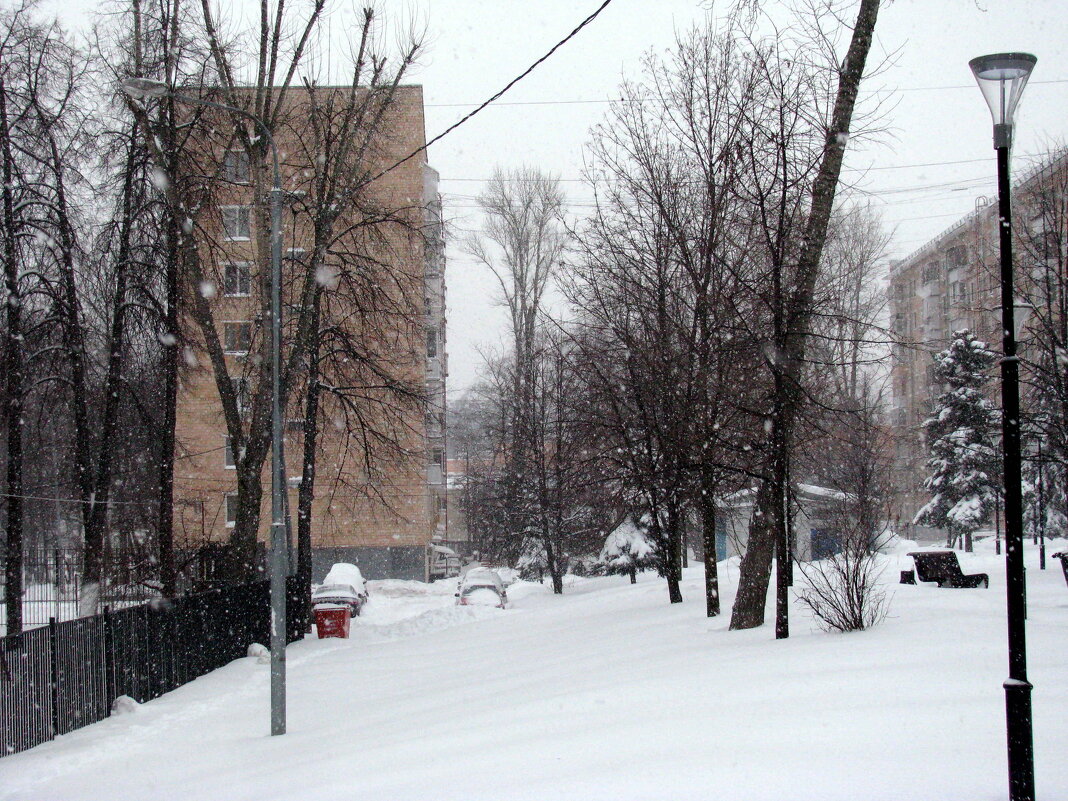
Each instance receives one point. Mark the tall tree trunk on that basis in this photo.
(306, 494)
(104, 450)
(13, 385)
(171, 327)
(553, 562)
(708, 536)
(754, 572)
(74, 350)
(674, 564)
(755, 569)
(782, 543)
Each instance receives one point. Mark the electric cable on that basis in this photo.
(508, 86)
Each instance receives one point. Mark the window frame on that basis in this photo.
(227, 498)
(237, 208)
(226, 344)
(227, 174)
(246, 276)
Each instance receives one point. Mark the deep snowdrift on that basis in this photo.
(605, 693)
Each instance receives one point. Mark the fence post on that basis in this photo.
(53, 639)
(109, 662)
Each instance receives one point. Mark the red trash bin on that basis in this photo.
(332, 620)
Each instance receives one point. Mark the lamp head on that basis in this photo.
(144, 87)
(1002, 78)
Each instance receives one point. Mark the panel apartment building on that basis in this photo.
(950, 283)
(381, 514)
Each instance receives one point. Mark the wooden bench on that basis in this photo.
(1064, 563)
(942, 567)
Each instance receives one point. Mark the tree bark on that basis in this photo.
(708, 533)
(306, 495)
(13, 385)
(755, 569)
(171, 327)
(674, 564)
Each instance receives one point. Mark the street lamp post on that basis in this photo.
(146, 87)
(1002, 78)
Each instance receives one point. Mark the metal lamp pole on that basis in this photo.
(1002, 78)
(146, 87)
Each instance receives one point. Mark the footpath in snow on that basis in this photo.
(605, 693)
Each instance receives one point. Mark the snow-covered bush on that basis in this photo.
(628, 549)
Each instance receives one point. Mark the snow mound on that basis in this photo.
(430, 621)
(124, 705)
(401, 588)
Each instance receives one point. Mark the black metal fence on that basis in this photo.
(66, 675)
(52, 580)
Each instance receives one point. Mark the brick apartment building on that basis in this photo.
(950, 283)
(381, 514)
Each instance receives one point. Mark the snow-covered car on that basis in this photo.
(481, 587)
(343, 585)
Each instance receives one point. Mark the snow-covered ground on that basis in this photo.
(605, 693)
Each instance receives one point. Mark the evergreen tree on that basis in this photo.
(628, 549)
(961, 439)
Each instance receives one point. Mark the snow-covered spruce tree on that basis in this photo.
(533, 561)
(629, 549)
(962, 441)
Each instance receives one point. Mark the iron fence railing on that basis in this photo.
(65, 675)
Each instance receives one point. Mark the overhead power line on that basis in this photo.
(508, 86)
(844, 169)
(578, 102)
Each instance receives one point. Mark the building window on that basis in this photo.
(431, 344)
(437, 457)
(241, 393)
(237, 337)
(230, 502)
(955, 257)
(237, 222)
(228, 455)
(237, 279)
(235, 166)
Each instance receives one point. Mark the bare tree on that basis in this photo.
(792, 330)
(521, 244)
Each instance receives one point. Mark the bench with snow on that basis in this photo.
(1064, 563)
(943, 568)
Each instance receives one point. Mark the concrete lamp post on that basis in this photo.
(1002, 78)
(142, 88)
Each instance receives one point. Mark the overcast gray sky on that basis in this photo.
(936, 114)
(927, 170)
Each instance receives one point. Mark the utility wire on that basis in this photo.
(844, 169)
(76, 500)
(509, 85)
(643, 100)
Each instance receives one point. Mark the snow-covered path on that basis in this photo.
(605, 693)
